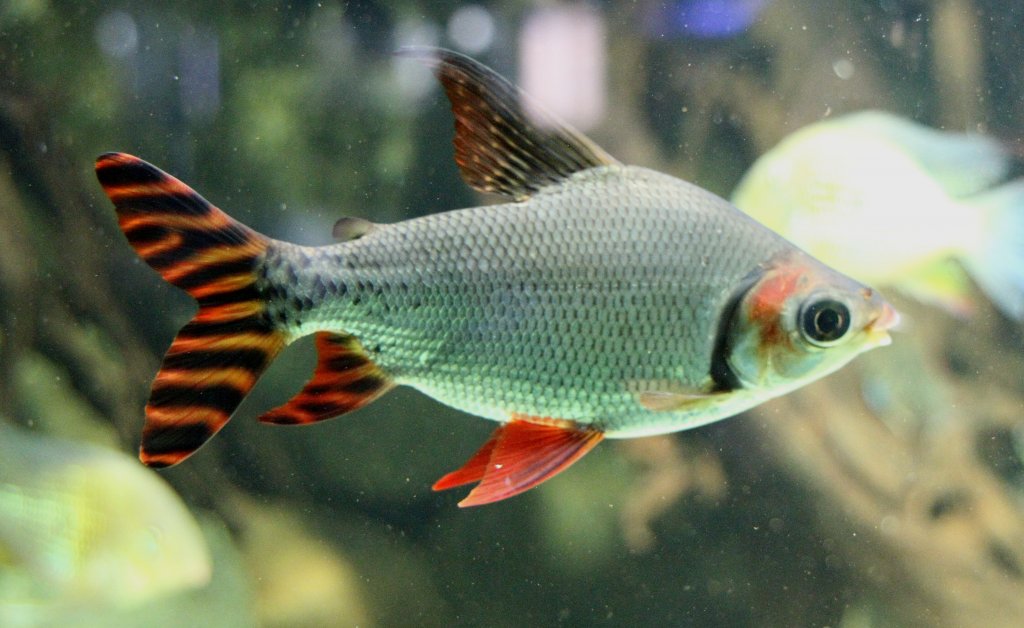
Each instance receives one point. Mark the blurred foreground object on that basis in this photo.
(83, 526)
(893, 203)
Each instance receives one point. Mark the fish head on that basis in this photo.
(801, 320)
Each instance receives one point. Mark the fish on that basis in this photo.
(86, 526)
(599, 300)
(897, 204)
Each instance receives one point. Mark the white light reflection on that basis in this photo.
(413, 83)
(116, 34)
(471, 29)
(562, 62)
(843, 68)
(199, 64)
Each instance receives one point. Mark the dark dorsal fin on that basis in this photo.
(505, 143)
(351, 228)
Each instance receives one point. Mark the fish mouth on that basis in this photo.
(878, 329)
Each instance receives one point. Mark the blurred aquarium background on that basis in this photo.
(889, 494)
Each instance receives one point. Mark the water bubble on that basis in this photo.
(843, 68)
(116, 34)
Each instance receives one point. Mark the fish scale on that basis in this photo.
(605, 301)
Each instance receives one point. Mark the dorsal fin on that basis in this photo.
(351, 228)
(505, 143)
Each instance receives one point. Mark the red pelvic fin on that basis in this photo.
(475, 467)
(520, 455)
(345, 379)
(216, 358)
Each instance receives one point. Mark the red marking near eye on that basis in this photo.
(767, 302)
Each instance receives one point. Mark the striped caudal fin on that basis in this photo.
(345, 379)
(216, 358)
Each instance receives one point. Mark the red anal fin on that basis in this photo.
(345, 379)
(520, 455)
(475, 467)
(217, 357)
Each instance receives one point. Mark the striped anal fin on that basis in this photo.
(345, 379)
(216, 358)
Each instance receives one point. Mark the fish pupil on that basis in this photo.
(826, 321)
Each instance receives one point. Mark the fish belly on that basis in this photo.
(561, 306)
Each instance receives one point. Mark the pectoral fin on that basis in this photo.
(673, 397)
(520, 455)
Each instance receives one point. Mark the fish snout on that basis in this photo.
(886, 320)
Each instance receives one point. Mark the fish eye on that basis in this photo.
(824, 322)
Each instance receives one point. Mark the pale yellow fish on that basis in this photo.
(85, 526)
(893, 203)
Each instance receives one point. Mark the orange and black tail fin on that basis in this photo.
(216, 358)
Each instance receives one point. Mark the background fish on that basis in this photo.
(606, 300)
(81, 525)
(893, 203)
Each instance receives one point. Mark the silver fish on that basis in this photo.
(602, 300)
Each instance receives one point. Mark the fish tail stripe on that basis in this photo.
(166, 445)
(224, 397)
(186, 259)
(238, 377)
(118, 170)
(208, 329)
(249, 343)
(253, 360)
(190, 242)
(223, 348)
(200, 384)
(202, 381)
(226, 291)
(159, 205)
(160, 248)
(222, 275)
(229, 311)
(217, 357)
(158, 190)
(201, 362)
(345, 379)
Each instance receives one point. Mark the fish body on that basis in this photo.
(893, 203)
(605, 300)
(560, 305)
